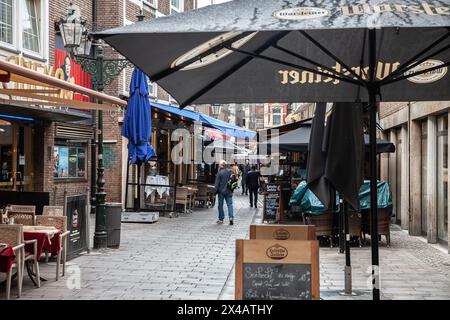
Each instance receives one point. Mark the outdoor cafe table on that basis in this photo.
(7, 256)
(48, 238)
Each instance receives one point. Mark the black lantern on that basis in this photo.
(72, 28)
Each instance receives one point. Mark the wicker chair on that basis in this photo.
(59, 223)
(323, 223)
(12, 235)
(202, 196)
(25, 215)
(54, 211)
(183, 197)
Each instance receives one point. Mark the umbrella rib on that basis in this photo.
(412, 66)
(331, 55)
(313, 62)
(406, 64)
(167, 72)
(418, 73)
(233, 69)
(296, 66)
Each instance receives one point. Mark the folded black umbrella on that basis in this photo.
(317, 180)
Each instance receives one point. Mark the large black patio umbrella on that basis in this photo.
(248, 51)
(297, 140)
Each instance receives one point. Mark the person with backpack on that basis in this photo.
(226, 182)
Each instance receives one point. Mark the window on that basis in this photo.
(70, 160)
(152, 89)
(152, 3)
(21, 25)
(176, 5)
(6, 21)
(30, 32)
(276, 116)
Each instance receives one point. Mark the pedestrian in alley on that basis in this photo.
(253, 186)
(226, 182)
(245, 168)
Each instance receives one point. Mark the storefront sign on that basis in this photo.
(282, 232)
(269, 270)
(64, 69)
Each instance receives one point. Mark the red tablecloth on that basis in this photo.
(52, 245)
(7, 257)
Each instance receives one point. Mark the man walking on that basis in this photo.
(253, 186)
(224, 191)
(245, 168)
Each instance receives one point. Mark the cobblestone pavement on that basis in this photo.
(191, 257)
(410, 269)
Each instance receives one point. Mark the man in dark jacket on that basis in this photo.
(245, 168)
(253, 185)
(223, 192)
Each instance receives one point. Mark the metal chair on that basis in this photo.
(12, 234)
(59, 223)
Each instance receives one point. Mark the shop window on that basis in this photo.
(70, 160)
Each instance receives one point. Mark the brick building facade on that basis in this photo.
(48, 143)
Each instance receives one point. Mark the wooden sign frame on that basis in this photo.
(297, 252)
(282, 232)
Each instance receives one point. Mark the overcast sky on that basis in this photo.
(202, 3)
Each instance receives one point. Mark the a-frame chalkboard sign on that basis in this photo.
(277, 270)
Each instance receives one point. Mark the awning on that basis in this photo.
(36, 112)
(227, 128)
(38, 89)
(298, 141)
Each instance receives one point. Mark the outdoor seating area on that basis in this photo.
(26, 239)
(327, 221)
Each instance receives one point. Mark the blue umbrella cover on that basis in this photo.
(137, 125)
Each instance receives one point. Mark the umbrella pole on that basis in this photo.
(341, 226)
(372, 92)
(348, 267)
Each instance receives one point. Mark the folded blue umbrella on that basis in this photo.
(137, 126)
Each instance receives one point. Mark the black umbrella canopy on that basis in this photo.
(298, 141)
(248, 51)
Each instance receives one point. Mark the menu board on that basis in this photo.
(268, 281)
(277, 270)
(272, 202)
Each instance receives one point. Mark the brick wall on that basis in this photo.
(387, 109)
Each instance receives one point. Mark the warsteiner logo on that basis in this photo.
(301, 13)
(430, 76)
(277, 252)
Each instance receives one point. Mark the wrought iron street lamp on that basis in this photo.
(78, 42)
